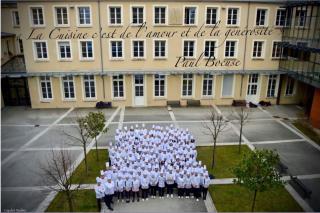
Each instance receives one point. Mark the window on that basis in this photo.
(207, 85)
(290, 86)
(257, 51)
(281, 19)
(15, 18)
(61, 16)
(187, 84)
(232, 18)
(227, 85)
(190, 15)
(116, 49)
(159, 85)
(189, 49)
(138, 49)
(160, 49)
(137, 15)
(301, 16)
(86, 50)
(253, 84)
(160, 15)
(84, 15)
(209, 49)
(68, 87)
(261, 17)
(41, 50)
(115, 15)
(118, 86)
(64, 49)
(276, 49)
(230, 49)
(37, 16)
(211, 15)
(45, 84)
(89, 86)
(272, 82)
(20, 46)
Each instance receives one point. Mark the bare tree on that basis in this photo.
(242, 117)
(56, 170)
(215, 126)
(82, 137)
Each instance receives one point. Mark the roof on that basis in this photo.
(4, 34)
(15, 65)
(243, 1)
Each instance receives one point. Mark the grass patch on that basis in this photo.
(236, 198)
(306, 129)
(94, 167)
(227, 157)
(84, 201)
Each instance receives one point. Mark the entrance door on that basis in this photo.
(15, 91)
(138, 90)
(253, 86)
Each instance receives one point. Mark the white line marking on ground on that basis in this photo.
(121, 117)
(293, 130)
(44, 204)
(36, 137)
(278, 141)
(209, 204)
(173, 118)
(245, 140)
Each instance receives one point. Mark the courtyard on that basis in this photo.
(28, 135)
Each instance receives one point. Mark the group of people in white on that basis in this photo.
(143, 163)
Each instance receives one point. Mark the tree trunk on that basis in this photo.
(254, 200)
(240, 138)
(70, 204)
(85, 158)
(213, 153)
(97, 154)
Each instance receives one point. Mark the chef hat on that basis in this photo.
(143, 125)
(137, 125)
(101, 172)
(98, 180)
(125, 128)
(204, 166)
(200, 162)
(171, 125)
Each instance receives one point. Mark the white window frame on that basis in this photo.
(193, 86)
(263, 49)
(144, 49)
(194, 48)
(276, 86)
(13, 16)
(121, 15)
(124, 88)
(215, 49)
(294, 87)
(80, 50)
(195, 18)
(235, 49)
(166, 16)
(218, 14)
(165, 87)
(84, 89)
(281, 50)
(154, 47)
(276, 18)
(62, 89)
(35, 55)
(78, 16)
(58, 50)
(233, 86)
(45, 100)
(55, 20)
(131, 14)
(110, 49)
(238, 16)
(213, 87)
(31, 16)
(266, 21)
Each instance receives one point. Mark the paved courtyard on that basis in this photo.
(28, 135)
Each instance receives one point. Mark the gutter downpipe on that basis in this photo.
(101, 53)
(245, 49)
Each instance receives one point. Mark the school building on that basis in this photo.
(59, 54)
